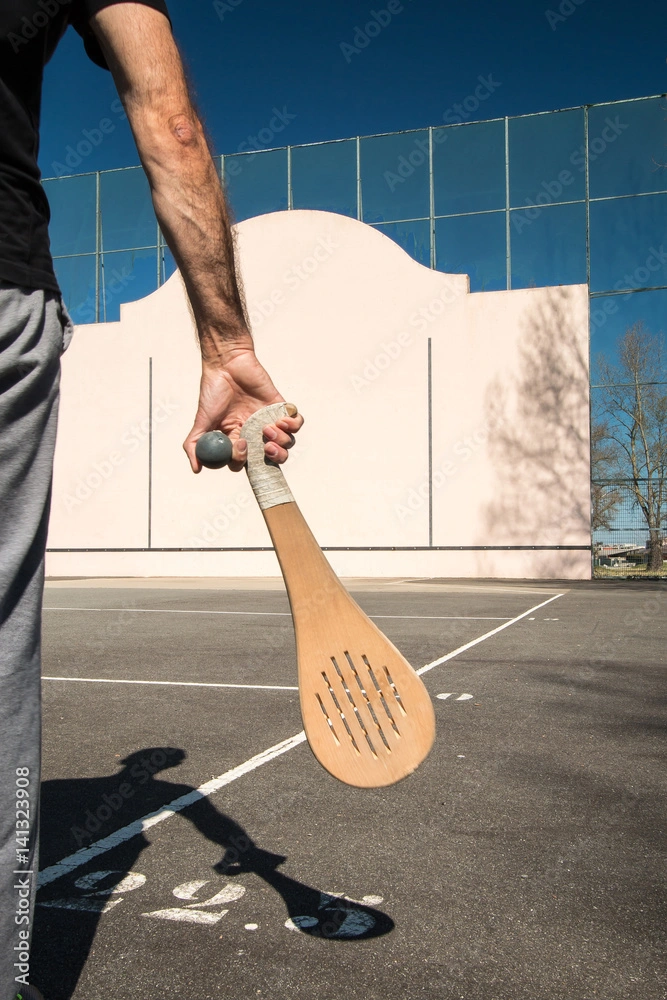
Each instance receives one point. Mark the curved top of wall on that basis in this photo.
(283, 252)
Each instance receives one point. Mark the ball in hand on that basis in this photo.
(214, 450)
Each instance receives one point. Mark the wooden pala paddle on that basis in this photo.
(368, 718)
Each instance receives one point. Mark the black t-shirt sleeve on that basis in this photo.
(83, 10)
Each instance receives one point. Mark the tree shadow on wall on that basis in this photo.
(539, 439)
(79, 812)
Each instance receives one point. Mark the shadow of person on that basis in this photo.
(79, 813)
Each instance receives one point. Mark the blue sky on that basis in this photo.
(418, 60)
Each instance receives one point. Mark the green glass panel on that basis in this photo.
(473, 245)
(76, 277)
(125, 276)
(128, 219)
(548, 246)
(256, 182)
(395, 177)
(324, 177)
(628, 243)
(627, 148)
(546, 158)
(73, 224)
(469, 167)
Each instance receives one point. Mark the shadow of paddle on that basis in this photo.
(78, 813)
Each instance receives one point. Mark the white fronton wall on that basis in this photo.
(405, 380)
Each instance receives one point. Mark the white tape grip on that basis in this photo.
(266, 479)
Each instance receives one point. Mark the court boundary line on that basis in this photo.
(487, 635)
(119, 680)
(85, 854)
(282, 614)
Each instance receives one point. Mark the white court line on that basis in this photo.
(487, 635)
(85, 854)
(178, 611)
(200, 684)
(444, 618)
(279, 614)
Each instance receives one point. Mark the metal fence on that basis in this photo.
(561, 197)
(623, 538)
(569, 196)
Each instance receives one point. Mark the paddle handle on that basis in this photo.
(267, 481)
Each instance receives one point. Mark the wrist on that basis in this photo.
(219, 352)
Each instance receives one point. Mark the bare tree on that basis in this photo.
(606, 496)
(633, 413)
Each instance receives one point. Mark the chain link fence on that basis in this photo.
(624, 544)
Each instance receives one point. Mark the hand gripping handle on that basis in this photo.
(266, 479)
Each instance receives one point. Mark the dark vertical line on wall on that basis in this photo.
(431, 197)
(98, 245)
(508, 231)
(587, 194)
(360, 211)
(430, 447)
(150, 449)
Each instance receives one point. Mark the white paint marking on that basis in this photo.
(116, 680)
(487, 635)
(126, 882)
(187, 916)
(445, 618)
(229, 894)
(355, 924)
(465, 697)
(278, 614)
(86, 854)
(87, 905)
(251, 927)
(296, 923)
(178, 611)
(188, 890)
(444, 697)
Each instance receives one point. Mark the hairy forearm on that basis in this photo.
(186, 190)
(193, 216)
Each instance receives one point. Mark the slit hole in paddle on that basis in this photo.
(369, 705)
(326, 715)
(381, 695)
(358, 717)
(395, 691)
(340, 711)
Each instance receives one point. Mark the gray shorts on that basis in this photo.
(34, 331)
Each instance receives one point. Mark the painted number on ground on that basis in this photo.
(337, 916)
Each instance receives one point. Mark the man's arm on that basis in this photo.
(189, 203)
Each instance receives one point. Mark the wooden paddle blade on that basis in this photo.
(368, 718)
(367, 715)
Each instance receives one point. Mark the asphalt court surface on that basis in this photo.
(523, 860)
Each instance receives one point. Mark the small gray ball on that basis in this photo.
(214, 450)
